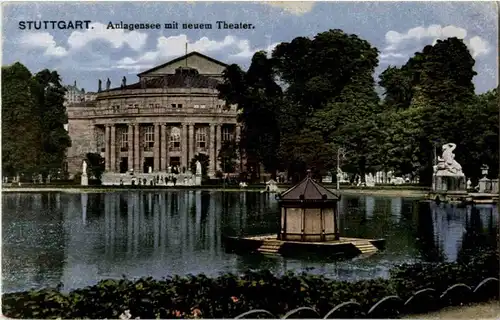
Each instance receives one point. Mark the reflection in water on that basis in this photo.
(78, 239)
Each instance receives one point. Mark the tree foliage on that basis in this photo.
(20, 128)
(228, 154)
(96, 165)
(34, 140)
(329, 101)
(258, 98)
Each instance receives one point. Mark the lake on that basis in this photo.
(78, 239)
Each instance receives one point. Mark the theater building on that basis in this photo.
(164, 120)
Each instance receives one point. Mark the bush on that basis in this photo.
(228, 295)
(409, 278)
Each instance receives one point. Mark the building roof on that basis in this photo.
(181, 79)
(309, 190)
(182, 58)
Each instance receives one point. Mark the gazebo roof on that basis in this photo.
(308, 190)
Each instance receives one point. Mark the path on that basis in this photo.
(490, 310)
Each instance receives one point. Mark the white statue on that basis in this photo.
(369, 180)
(447, 160)
(198, 168)
(84, 167)
(469, 184)
(150, 170)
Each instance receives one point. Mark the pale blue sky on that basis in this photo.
(397, 29)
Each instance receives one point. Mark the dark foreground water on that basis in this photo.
(78, 239)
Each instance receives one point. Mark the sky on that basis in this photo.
(396, 29)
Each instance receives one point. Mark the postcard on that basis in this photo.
(249, 159)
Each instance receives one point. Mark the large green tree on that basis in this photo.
(34, 140)
(48, 93)
(332, 92)
(436, 87)
(258, 97)
(20, 128)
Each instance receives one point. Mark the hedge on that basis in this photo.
(229, 296)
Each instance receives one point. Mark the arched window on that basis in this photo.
(175, 139)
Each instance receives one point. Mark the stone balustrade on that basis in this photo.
(107, 111)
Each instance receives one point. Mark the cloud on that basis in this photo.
(168, 47)
(117, 37)
(78, 40)
(396, 39)
(479, 46)
(44, 41)
(294, 7)
(391, 55)
(401, 45)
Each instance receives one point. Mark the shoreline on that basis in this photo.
(405, 193)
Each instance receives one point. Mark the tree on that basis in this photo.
(258, 98)
(20, 129)
(332, 90)
(204, 161)
(428, 98)
(96, 165)
(49, 93)
(228, 154)
(397, 83)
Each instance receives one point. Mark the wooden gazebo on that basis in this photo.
(308, 213)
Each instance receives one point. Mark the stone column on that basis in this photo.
(163, 148)
(218, 143)
(107, 144)
(237, 140)
(184, 146)
(130, 146)
(192, 142)
(94, 139)
(167, 137)
(113, 149)
(137, 149)
(156, 149)
(211, 152)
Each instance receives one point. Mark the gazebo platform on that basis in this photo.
(269, 244)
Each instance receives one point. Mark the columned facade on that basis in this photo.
(157, 125)
(119, 151)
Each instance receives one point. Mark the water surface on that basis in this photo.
(78, 239)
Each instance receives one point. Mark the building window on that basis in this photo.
(136, 105)
(196, 106)
(201, 138)
(202, 106)
(149, 138)
(175, 139)
(150, 105)
(178, 106)
(227, 134)
(124, 139)
(174, 105)
(157, 105)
